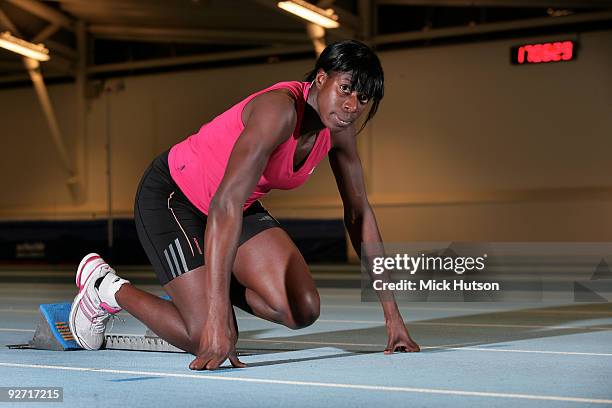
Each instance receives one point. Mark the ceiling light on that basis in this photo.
(25, 48)
(325, 18)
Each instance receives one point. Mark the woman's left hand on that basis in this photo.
(398, 339)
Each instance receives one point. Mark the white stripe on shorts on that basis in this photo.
(180, 252)
(169, 263)
(178, 268)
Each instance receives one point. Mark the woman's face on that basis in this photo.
(338, 106)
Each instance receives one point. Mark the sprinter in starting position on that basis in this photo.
(211, 242)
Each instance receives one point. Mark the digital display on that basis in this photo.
(544, 52)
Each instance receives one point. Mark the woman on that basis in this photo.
(211, 182)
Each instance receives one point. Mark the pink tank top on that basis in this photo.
(197, 164)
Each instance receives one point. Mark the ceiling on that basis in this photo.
(110, 37)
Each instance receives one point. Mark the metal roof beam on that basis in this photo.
(45, 12)
(7, 23)
(60, 64)
(367, 13)
(46, 32)
(195, 59)
(155, 34)
(60, 48)
(57, 62)
(348, 18)
(56, 134)
(492, 27)
(24, 77)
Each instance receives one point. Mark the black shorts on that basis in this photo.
(171, 229)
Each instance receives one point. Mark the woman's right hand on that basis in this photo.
(217, 344)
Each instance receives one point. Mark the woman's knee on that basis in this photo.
(303, 310)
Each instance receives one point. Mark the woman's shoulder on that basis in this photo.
(273, 103)
(285, 94)
(293, 88)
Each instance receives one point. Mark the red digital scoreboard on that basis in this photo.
(529, 54)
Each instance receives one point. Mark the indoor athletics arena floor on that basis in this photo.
(474, 355)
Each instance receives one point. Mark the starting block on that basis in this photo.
(53, 333)
(149, 342)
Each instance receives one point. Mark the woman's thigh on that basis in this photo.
(270, 279)
(270, 268)
(188, 292)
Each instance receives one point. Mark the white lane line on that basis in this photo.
(563, 353)
(18, 310)
(461, 309)
(318, 343)
(323, 343)
(5, 329)
(41, 299)
(441, 347)
(520, 326)
(458, 324)
(553, 312)
(320, 384)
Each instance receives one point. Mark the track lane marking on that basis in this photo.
(458, 324)
(320, 384)
(322, 343)
(420, 323)
(441, 347)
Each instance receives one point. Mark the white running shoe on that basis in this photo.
(89, 315)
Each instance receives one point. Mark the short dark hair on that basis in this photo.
(357, 59)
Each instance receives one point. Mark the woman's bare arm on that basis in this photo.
(269, 120)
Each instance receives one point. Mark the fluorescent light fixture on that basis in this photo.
(25, 48)
(325, 18)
